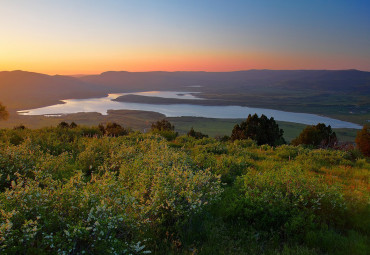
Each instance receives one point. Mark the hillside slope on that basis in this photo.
(21, 89)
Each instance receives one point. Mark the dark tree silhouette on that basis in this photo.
(101, 128)
(162, 125)
(3, 112)
(363, 140)
(261, 129)
(19, 127)
(195, 134)
(63, 124)
(114, 129)
(319, 136)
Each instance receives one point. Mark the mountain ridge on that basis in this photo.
(23, 89)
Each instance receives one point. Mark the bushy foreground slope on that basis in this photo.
(73, 191)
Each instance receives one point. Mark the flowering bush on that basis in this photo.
(74, 191)
(134, 184)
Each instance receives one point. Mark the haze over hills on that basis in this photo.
(349, 80)
(332, 93)
(27, 89)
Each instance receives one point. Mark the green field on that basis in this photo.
(221, 127)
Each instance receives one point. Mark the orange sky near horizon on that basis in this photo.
(152, 61)
(71, 58)
(90, 37)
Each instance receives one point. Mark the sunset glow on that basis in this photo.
(85, 37)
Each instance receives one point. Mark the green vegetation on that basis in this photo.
(78, 190)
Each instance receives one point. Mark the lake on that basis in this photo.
(102, 105)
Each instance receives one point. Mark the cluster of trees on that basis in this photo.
(64, 124)
(267, 131)
(260, 129)
(318, 136)
(162, 125)
(113, 129)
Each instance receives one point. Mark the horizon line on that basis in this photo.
(179, 71)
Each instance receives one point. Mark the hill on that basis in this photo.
(20, 89)
(34, 89)
(323, 80)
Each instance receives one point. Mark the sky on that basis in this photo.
(88, 36)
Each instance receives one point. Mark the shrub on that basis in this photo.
(168, 135)
(142, 189)
(25, 158)
(65, 192)
(290, 201)
(93, 154)
(74, 218)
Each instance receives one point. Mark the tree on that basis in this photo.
(261, 129)
(101, 128)
(63, 124)
(114, 129)
(196, 135)
(162, 125)
(165, 129)
(20, 127)
(363, 140)
(318, 136)
(3, 112)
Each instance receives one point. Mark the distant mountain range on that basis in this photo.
(22, 90)
(292, 79)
